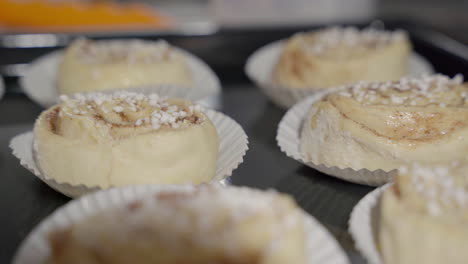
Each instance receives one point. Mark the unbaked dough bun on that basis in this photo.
(338, 56)
(89, 65)
(206, 224)
(424, 215)
(125, 138)
(382, 125)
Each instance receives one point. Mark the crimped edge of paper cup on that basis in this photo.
(322, 248)
(363, 224)
(233, 145)
(289, 141)
(39, 80)
(260, 65)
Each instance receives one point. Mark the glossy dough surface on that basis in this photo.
(338, 56)
(207, 224)
(102, 65)
(383, 125)
(125, 138)
(424, 216)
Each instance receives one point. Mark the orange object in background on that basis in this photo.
(78, 15)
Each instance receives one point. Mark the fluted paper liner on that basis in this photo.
(39, 82)
(260, 65)
(363, 225)
(233, 144)
(289, 141)
(322, 248)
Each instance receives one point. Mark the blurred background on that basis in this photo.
(29, 28)
(114, 15)
(448, 16)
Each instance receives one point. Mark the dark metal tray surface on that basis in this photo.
(26, 200)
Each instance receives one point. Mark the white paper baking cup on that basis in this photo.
(289, 141)
(39, 81)
(364, 222)
(260, 65)
(322, 248)
(232, 147)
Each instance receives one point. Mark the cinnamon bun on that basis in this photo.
(382, 125)
(338, 56)
(424, 216)
(125, 138)
(206, 224)
(102, 65)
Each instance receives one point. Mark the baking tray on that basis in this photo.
(26, 200)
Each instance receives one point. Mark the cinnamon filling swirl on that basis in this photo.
(417, 110)
(52, 118)
(124, 114)
(337, 56)
(381, 125)
(125, 138)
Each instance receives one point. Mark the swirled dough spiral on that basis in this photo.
(382, 125)
(337, 56)
(125, 138)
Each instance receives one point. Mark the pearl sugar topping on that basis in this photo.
(162, 112)
(407, 90)
(440, 186)
(352, 37)
(130, 51)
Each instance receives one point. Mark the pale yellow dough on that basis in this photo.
(424, 217)
(208, 224)
(121, 139)
(338, 56)
(89, 66)
(384, 125)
